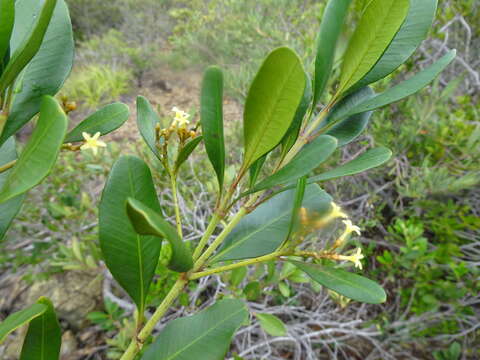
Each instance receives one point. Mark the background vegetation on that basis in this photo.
(420, 213)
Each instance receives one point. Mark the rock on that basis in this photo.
(73, 293)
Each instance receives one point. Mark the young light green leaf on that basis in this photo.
(347, 129)
(271, 324)
(412, 32)
(368, 160)
(297, 204)
(211, 119)
(266, 228)
(146, 221)
(47, 71)
(292, 133)
(130, 257)
(308, 159)
(405, 88)
(40, 153)
(255, 169)
(44, 336)
(7, 17)
(345, 283)
(22, 317)
(187, 150)
(29, 47)
(272, 102)
(376, 29)
(105, 120)
(204, 336)
(147, 119)
(330, 30)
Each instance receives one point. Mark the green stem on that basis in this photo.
(220, 269)
(3, 121)
(7, 166)
(136, 344)
(206, 235)
(177, 206)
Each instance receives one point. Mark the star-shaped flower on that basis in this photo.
(92, 142)
(355, 258)
(350, 228)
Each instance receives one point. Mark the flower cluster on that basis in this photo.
(179, 126)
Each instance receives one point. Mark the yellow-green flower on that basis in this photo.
(92, 142)
(181, 118)
(355, 258)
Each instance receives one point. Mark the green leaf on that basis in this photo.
(297, 204)
(271, 324)
(147, 119)
(376, 29)
(7, 17)
(368, 160)
(405, 88)
(412, 32)
(204, 336)
(328, 35)
(29, 46)
(211, 119)
(47, 71)
(272, 102)
(40, 153)
(44, 336)
(15, 320)
(292, 133)
(255, 169)
(104, 121)
(308, 159)
(187, 150)
(146, 221)
(266, 228)
(347, 129)
(345, 283)
(10, 208)
(130, 257)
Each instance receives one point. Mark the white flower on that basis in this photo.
(355, 258)
(181, 118)
(336, 212)
(350, 228)
(92, 142)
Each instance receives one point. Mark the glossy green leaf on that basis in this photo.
(22, 317)
(29, 46)
(347, 129)
(345, 283)
(211, 119)
(104, 121)
(329, 33)
(47, 71)
(412, 32)
(130, 257)
(10, 208)
(7, 17)
(147, 119)
(272, 102)
(266, 228)
(204, 336)
(146, 221)
(368, 160)
(292, 133)
(44, 336)
(308, 159)
(405, 88)
(377, 27)
(40, 153)
(187, 150)
(271, 324)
